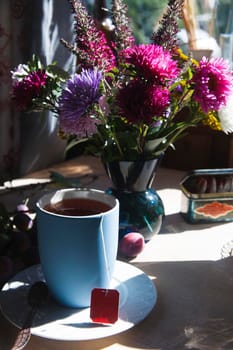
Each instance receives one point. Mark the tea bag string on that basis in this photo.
(104, 250)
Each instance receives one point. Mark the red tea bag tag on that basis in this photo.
(104, 305)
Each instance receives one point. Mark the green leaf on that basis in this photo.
(58, 71)
(64, 181)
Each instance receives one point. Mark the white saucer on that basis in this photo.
(138, 296)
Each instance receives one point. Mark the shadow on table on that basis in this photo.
(194, 310)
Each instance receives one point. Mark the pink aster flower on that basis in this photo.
(25, 90)
(152, 62)
(213, 84)
(140, 102)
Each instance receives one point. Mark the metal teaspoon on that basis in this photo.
(37, 294)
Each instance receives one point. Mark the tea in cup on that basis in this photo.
(78, 241)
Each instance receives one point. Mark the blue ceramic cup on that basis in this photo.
(77, 247)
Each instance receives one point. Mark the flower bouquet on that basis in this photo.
(127, 101)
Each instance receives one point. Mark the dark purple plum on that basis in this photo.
(31, 256)
(6, 268)
(22, 221)
(20, 243)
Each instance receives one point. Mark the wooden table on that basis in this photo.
(194, 309)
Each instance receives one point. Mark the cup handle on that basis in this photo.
(104, 249)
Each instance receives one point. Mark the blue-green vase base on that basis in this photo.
(139, 212)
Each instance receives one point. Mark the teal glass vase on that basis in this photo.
(141, 208)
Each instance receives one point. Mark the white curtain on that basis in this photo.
(29, 142)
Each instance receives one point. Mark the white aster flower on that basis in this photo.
(226, 116)
(20, 72)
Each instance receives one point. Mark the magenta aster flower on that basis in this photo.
(25, 90)
(152, 62)
(213, 84)
(140, 102)
(80, 94)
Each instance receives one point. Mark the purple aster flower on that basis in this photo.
(213, 83)
(80, 94)
(140, 101)
(152, 62)
(25, 90)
